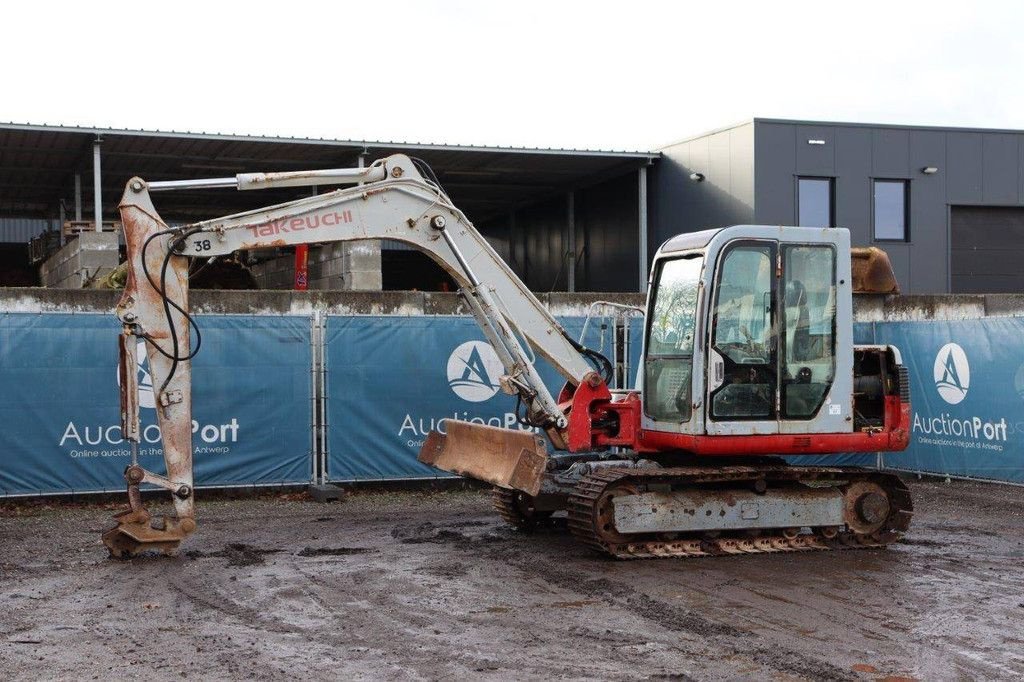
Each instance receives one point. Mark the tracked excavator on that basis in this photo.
(748, 356)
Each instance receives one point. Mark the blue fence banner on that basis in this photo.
(59, 406)
(967, 392)
(391, 380)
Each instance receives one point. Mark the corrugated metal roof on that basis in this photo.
(378, 144)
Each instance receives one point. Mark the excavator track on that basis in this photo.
(517, 509)
(589, 523)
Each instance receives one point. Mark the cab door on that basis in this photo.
(742, 358)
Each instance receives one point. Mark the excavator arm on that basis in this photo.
(394, 199)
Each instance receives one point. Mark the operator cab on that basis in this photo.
(760, 310)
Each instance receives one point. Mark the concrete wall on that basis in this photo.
(36, 300)
(275, 273)
(726, 195)
(342, 266)
(974, 168)
(866, 308)
(89, 256)
(936, 307)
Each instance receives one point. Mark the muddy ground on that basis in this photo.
(428, 586)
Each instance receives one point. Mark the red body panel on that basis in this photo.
(302, 267)
(591, 405)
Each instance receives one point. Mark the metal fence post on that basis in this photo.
(314, 372)
(324, 420)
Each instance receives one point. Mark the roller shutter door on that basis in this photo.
(987, 250)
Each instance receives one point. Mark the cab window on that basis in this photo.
(809, 318)
(668, 367)
(743, 333)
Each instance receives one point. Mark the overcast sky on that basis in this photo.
(615, 75)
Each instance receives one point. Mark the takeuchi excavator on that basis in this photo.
(748, 357)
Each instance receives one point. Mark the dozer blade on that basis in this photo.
(502, 457)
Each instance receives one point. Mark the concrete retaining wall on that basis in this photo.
(291, 302)
(936, 307)
(866, 308)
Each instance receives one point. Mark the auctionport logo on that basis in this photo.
(952, 373)
(473, 370)
(146, 398)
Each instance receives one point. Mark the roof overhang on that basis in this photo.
(38, 164)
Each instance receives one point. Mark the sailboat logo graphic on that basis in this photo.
(952, 373)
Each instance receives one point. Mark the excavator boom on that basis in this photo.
(393, 201)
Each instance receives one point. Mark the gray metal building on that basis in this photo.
(947, 204)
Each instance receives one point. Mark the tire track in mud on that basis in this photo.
(195, 587)
(720, 637)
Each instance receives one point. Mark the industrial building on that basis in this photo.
(947, 204)
(566, 220)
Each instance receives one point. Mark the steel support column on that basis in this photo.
(97, 185)
(78, 197)
(642, 221)
(571, 241)
(513, 246)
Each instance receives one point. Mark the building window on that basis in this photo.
(814, 202)
(890, 210)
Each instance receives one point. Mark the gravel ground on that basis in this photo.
(427, 586)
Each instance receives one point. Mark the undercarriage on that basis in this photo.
(633, 509)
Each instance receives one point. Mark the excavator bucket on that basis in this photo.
(502, 457)
(872, 272)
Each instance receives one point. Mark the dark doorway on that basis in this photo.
(987, 250)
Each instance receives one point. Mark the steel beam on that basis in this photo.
(642, 221)
(571, 241)
(78, 197)
(97, 185)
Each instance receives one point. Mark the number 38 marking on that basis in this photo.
(202, 245)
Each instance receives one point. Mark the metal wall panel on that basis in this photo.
(964, 168)
(973, 168)
(853, 182)
(20, 230)
(813, 159)
(541, 228)
(890, 153)
(724, 197)
(774, 174)
(929, 215)
(1000, 172)
(607, 239)
(1020, 169)
(607, 236)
